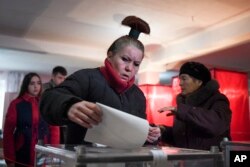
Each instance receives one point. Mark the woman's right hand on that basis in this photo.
(85, 114)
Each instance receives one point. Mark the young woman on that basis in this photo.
(23, 125)
(202, 116)
(73, 102)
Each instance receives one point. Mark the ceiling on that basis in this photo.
(36, 35)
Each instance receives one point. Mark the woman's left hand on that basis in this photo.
(153, 134)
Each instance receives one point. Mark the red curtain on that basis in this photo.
(157, 96)
(235, 86)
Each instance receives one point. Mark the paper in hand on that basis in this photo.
(118, 129)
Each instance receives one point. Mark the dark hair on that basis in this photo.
(26, 81)
(59, 69)
(124, 41)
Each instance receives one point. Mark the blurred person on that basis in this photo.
(59, 73)
(24, 126)
(73, 102)
(202, 116)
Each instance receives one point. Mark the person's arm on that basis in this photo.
(85, 114)
(64, 104)
(167, 131)
(55, 103)
(166, 134)
(8, 137)
(209, 122)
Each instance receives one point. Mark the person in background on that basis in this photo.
(59, 73)
(73, 102)
(24, 126)
(202, 116)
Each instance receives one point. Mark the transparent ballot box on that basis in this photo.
(92, 156)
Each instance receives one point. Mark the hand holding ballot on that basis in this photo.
(118, 129)
(85, 114)
(153, 134)
(101, 120)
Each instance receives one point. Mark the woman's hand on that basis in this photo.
(172, 110)
(85, 114)
(153, 134)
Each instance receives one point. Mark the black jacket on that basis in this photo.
(89, 85)
(202, 120)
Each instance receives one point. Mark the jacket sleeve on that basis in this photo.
(166, 134)
(211, 122)
(141, 100)
(8, 131)
(55, 102)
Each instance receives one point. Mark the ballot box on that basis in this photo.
(95, 156)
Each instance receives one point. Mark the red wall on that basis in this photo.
(157, 96)
(235, 86)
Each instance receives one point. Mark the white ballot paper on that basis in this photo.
(118, 129)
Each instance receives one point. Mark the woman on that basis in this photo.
(73, 102)
(202, 116)
(23, 125)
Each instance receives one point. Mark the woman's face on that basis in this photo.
(126, 62)
(35, 86)
(188, 84)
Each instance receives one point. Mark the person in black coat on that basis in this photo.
(59, 73)
(72, 103)
(202, 115)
